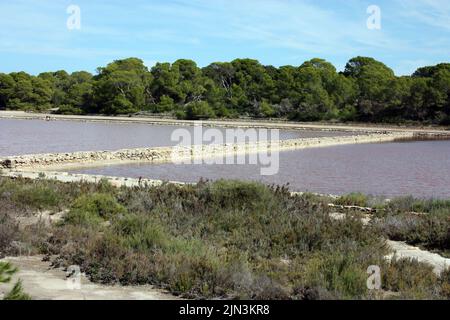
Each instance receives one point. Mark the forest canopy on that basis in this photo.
(367, 90)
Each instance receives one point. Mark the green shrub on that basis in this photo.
(69, 109)
(199, 110)
(180, 115)
(17, 293)
(429, 230)
(141, 234)
(237, 194)
(413, 279)
(39, 197)
(341, 274)
(6, 272)
(9, 231)
(166, 104)
(410, 204)
(445, 283)
(267, 110)
(221, 111)
(94, 209)
(352, 199)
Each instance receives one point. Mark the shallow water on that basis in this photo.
(19, 137)
(420, 168)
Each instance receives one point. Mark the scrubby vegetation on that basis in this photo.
(424, 223)
(352, 199)
(224, 239)
(367, 90)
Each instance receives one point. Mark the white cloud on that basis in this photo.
(435, 13)
(206, 28)
(296, 25)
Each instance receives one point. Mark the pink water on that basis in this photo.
(420, 168)
(19, 137)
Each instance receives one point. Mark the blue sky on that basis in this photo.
(34, 36)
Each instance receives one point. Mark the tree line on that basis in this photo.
(367, 90)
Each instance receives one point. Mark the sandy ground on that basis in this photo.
(74, 177)
(225, 123)
(403, 250)
(43, 282)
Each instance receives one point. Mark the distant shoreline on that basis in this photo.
(254, 123)
(164, 154)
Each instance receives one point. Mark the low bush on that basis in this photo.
(419, 222)
(93, 209)
(37, 197)
(30, 195)
(9, 231)
(412, 279)
(199, 110)
(410, 204)
(445, 284)
(336, 274)
(352, 199)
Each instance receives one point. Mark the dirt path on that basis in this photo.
(226, 123)
(403, 250)
(400, 250)
(45, 283)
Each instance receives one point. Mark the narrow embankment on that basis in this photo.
(233, 123)
(175, 154)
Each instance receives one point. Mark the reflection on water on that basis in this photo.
(37, 136)
(420, 168)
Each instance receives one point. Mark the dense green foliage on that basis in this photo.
(367, 90)
(224, 239)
